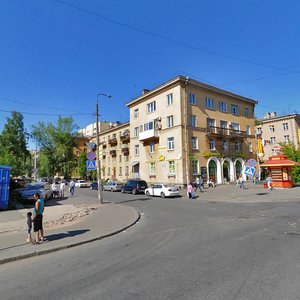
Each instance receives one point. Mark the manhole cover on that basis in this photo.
(293, 233)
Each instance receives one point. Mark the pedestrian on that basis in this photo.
(29, 226)
(198, 184)
(72, 187)
(210, 183)
(38, 218)
(190, 190)
(269, 182)
(241, 182)
(55, 192)
(62, 189)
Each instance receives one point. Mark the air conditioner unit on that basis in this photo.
(158, 119)
(157, 126)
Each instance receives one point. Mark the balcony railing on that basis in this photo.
(113, 141)
(113, 153)
(125, 138)
(220, 131)
(148, 135)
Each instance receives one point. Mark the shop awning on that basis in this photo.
(279, 161)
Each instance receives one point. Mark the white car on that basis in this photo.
(162, 190)
(81, 184)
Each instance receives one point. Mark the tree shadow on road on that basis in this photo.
(63, 235)
(132, 200)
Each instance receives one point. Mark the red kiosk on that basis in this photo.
(280, 169)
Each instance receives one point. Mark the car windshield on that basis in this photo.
(33, 186)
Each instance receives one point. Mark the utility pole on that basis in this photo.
(98, 154)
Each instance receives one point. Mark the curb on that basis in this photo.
(58, 248)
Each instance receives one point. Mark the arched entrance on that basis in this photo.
(214, 170)
(238, 167)
(226, 171)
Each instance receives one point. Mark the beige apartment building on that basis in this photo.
(115, 152)
(273, 130)
(184, 128)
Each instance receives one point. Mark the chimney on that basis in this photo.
(145, 91)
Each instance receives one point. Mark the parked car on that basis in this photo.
(134, 186)
(94, 185)
(113, 186)
(162, 190)
(81, 184)
(26, 194)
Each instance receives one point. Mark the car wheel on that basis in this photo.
(147, 193)
(134, 191)
(163, 195)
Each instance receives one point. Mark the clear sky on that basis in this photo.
(57, 55)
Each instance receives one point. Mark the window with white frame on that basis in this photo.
(285, 126)
(152, 168)
(152, 147)
(247, 112)
(258, 130)
(195, 167)
(212, 144)
(194, 142)
(136, 150)
(272, 140)
(248, 129)
(151, 107)
(136, 113)
(136, 132)
(169, 99)
(271, 128)
(222, 106)
(120, 171)
(126, 158)
(286, 139)
(209, 103)
(211, 124)
(192, 99)
(120, 158)
(171, 143)
(108, 171)
(235, 126)
(108, 159)
(237, 147)
(170, 121)
(141, 128)
(171, 167)
(225, 145)
(126, 171)
(148, 126)
(193, 121)
(234, 109)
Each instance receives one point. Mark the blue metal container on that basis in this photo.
(4, 186)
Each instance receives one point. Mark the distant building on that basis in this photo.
(273, 129)
(90, 130)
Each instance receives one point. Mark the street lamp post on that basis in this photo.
(100, 198)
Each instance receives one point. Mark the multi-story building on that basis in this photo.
(273, 130)
(90, 130)
(114, 152)
(184, 128)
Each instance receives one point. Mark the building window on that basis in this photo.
(234, 109)
(212, 145)
(108, 171)
(192, 99)
(152, 168)
(120, 158)
(237, 147)
(258, 130)
(170, 121)
(151, 107)
(171, 167)
(148, 126)
(193, 121)
(223, 106)
(225, 145)
(235, 127)
(108, 159)
(211, 125)
(126, 171)
(141, 128)
(120, 171)
(194, 142)
(271, 128)
(247, 113)
(127, 158)
(272, 140)
(136, 150)
(171, 143)
(169, 99)
(286, 139)
(136, 113)
(136, 132)
(209, 103)
(195, 167)
(285, 126)
(248, 129)
(152, 147)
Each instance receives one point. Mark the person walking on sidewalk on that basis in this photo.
(269, 182)
(62, 189)
(199, 184)
(38, 218)
(72, 187)
(29, 226)
(190, 191)
(241, 182)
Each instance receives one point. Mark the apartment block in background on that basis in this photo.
(273, 129)
(184, 128)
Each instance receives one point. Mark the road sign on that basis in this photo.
(91, 155)
(90, 165)
(91, 145)
(251, 163)
(249, 171)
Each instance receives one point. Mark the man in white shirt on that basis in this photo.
(62, 189)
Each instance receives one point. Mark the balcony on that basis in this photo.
(125, 150)
(104, 145)
(220, 132)
(125, 138)
(113, 153)
(103, 156)
(148, 135)
(113, 141)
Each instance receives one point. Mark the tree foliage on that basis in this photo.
(293, 154)
(82, 165)
(56, 143)
(13, 146)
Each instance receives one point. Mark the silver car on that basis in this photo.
(26, 194)
(113, 186)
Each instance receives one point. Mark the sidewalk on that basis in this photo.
(65, 226)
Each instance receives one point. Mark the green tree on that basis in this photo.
(82, 165)
(293, 154)
(56, 143)
(13, 146)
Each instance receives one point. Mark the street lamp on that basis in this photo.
(98, 145)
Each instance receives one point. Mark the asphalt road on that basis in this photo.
(180, 249)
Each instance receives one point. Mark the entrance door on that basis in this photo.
(212, 171)
(238, 169)
(226, 171)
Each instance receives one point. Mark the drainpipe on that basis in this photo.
(186, 133)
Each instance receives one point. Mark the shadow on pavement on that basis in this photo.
(131, 200)
(59, 236)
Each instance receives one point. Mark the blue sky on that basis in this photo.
(57, 55)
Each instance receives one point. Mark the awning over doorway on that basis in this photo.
(134, 163)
